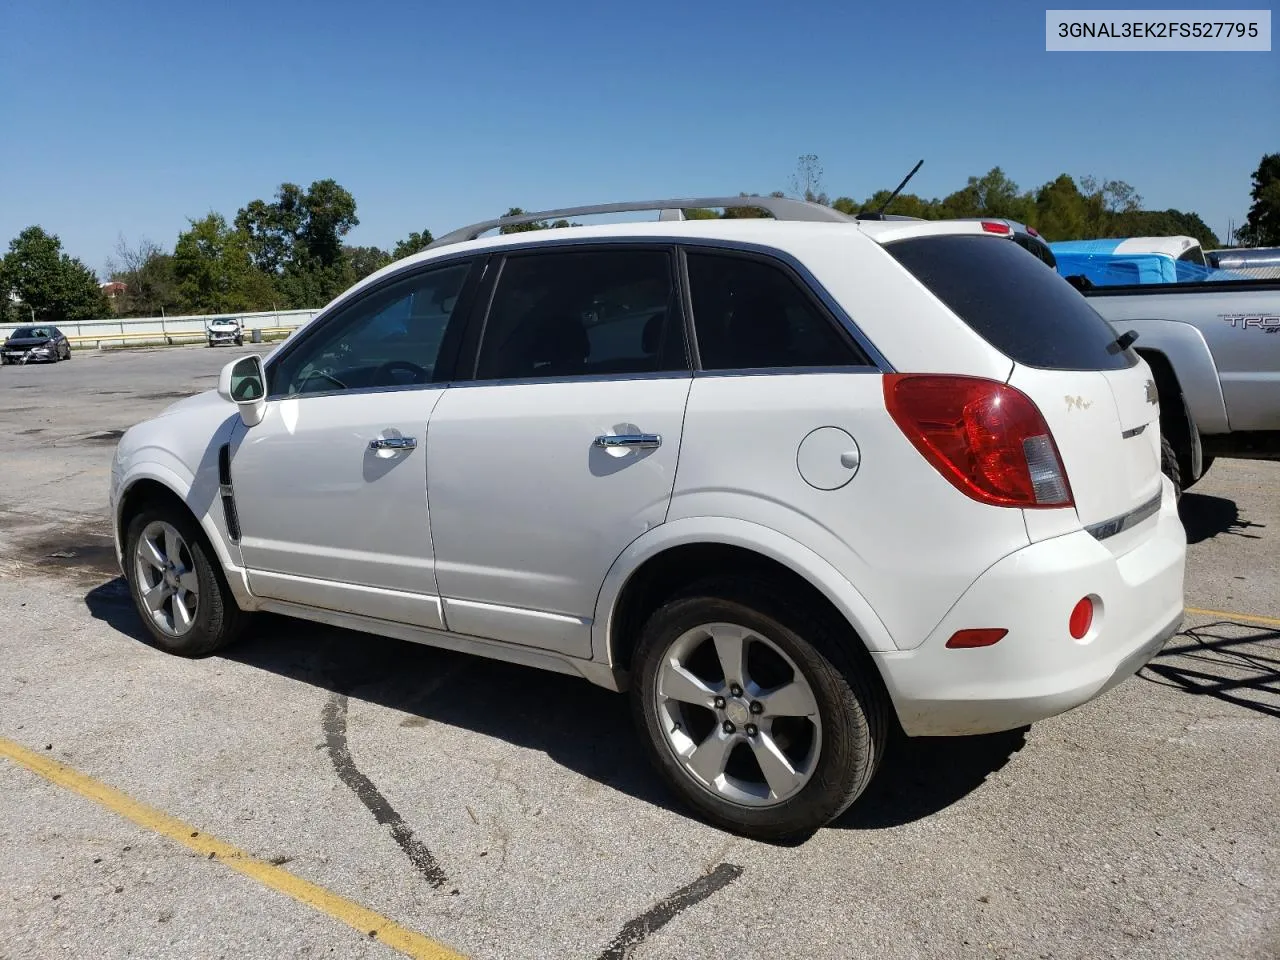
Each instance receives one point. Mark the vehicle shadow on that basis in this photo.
(924, 775)
(1232, 662)
(580, 726)
(1204, 517)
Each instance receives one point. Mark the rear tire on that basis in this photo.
(177, 584)
(1169, 466)
(829, 726)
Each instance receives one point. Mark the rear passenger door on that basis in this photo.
(785, 426)
(562, 448)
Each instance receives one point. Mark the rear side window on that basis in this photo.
(749, 314)
(1028, 313)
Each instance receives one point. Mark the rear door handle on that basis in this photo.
(393, 443)
(638, 441)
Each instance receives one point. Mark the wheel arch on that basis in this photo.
(1176, 421)
(682, 550)
(153, 483)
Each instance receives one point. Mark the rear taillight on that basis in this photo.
(984, 436)
(995, 226)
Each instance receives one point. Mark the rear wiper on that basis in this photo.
(1124, 341)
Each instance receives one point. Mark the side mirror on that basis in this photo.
(244, 383)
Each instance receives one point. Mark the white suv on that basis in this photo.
(795, 481)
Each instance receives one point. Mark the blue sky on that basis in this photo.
(128, 118)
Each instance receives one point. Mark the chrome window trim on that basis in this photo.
(575, 378)
(713, 244)
(860, 368)
(1109, 528)
(879, 363)
(358, 391)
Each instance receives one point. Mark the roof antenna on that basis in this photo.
(879, 214)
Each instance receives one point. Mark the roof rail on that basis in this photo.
(781, 208)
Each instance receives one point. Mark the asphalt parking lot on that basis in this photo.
(319, 793)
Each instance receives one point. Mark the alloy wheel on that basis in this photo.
(167, 582)
(738, 714)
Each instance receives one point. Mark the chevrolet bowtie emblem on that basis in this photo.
(1153, 395)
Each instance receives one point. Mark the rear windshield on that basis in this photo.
(1018, 305)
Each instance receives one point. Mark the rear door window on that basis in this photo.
(1028, 313)
(583, 313)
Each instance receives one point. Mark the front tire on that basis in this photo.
(745, 710)
(177, 585)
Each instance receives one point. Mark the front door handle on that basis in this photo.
(638, 441)
(393, 443)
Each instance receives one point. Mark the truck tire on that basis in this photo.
(1169, 466)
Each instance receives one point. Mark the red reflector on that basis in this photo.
(1033, 231)
(1081, 619)
(987, 438)
(976, 638)
(994, 226)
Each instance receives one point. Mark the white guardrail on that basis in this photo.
(160, 330)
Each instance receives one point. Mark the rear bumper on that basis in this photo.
(1037, 670)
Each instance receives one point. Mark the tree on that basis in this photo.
(1061, 211)
(806, 182)
(214, 271)
(1262, 226)
(297, 238)
(363, 261)
(146, 270)
(521, 227)
(53, 286)
(531, 225)
(1162, 223)
(412, 244)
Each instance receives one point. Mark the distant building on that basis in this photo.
(113, 288)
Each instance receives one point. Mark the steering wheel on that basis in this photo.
(419, 374)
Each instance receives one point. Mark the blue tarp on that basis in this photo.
(1097, 260)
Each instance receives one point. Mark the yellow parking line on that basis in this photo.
(369, 923)
(1228, 615)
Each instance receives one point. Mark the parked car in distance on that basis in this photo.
(792, 482)
(38, 343)
(224, 330)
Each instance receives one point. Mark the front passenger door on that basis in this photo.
(331, 486)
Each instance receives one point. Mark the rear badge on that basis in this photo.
(1153, 395)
